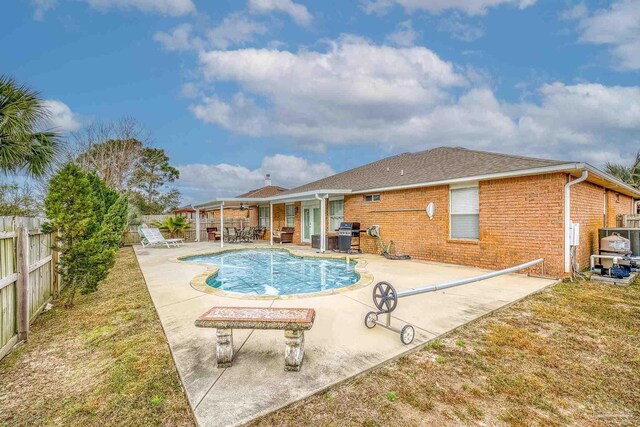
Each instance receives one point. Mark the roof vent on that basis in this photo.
(401, 172)
(267, 180)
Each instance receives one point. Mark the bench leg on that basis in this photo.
(294, 350)
(224, 347)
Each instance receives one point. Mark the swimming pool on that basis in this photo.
(276, 272)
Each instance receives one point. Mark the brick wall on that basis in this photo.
(279, 220)
(587, 208)
(617, 204)
(520, 220)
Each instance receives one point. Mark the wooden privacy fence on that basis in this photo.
(628, 221)
(131, 237)
(27, 278)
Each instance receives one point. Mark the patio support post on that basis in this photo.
(221, 225)
(323, 227)
(197, 224)
(271, 223)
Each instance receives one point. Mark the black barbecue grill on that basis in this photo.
(349, 237)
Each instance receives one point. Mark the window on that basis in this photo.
(263, 217)
(336, 214)
(290, 214)
(372, 198)
(464, 213)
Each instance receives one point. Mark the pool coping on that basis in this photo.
(199, 282)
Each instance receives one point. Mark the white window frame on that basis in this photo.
(462, 186)
(373, 197)
(290, 216)
(263, 220)
(335, 220)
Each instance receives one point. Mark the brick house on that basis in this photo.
(491, 210)
(247, 210)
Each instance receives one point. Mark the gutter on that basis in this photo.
(567, 218)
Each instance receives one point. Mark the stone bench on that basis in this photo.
(294, 321)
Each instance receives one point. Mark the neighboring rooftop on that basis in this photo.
(438, 164)
(266, 191)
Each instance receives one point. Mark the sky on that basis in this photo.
(233, 90)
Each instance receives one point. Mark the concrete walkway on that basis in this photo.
(338, 347)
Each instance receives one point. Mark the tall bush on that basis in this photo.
(89, 218)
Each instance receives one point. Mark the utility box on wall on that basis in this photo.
(574, 231)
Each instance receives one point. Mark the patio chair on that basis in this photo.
(153, 237)
(246, 234)
(285, 235)
(259, 233)
(230, 234)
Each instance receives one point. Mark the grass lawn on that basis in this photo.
(569, 355)
(104, 362)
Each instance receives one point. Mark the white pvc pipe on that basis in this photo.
(459, 282)
(222, 225)
(567, 219)
(615, 258)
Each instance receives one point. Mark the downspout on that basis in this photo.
(567, 219)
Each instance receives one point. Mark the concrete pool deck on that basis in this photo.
(338, 347)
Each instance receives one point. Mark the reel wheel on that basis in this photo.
(407, 334)
(370, 319)
(385, 297)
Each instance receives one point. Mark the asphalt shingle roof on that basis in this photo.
(266, 191)
(438, 164)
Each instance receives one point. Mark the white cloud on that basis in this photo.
(189, 90)
(594, 121)
(470, 7)
(235, 29)
(201, 182)
(409, 98)
(459, 29)
(404, 35)
(41, 7)
(617, 27)
(179, 39)
(297, 12)
(61, 118)
(163, 7)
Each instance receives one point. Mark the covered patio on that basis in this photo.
(306, 212)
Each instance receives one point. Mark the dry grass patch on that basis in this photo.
(103, 362)
(567, 356)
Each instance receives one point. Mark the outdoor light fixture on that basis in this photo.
(241, 206)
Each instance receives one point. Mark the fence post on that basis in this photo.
(54, 265)
(23, 280)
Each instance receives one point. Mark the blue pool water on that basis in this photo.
(275, 272)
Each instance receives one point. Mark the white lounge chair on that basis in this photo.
(153, 236)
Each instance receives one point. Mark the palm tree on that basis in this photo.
(628, 174)
(173, 224)
(24, 147)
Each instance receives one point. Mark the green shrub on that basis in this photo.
(89, 219)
